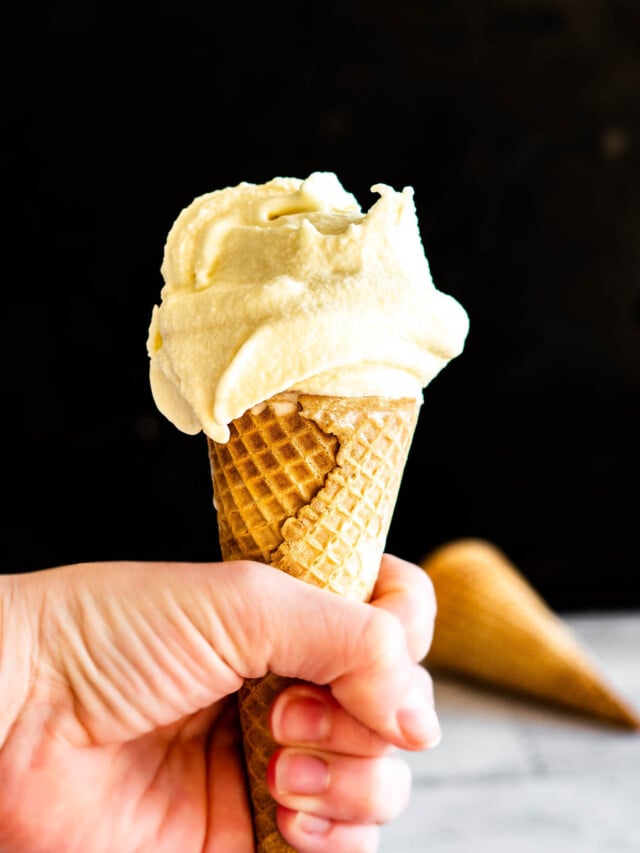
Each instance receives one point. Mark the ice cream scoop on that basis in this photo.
(289, 285)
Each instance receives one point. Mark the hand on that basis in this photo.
(118, 721)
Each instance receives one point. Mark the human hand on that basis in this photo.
(118, 724)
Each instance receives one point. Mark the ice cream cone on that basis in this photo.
(492, 626)
(307, 484)
(290, 284)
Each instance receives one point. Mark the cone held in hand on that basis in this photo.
(492, 626)
(307, 484)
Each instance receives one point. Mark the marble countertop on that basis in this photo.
(511, 776)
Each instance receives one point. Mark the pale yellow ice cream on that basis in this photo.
(288, 285)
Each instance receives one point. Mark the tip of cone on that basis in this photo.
(493, 626)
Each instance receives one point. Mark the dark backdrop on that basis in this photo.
(518, 125)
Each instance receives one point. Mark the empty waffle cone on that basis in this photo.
(492, 626)
(307, 484)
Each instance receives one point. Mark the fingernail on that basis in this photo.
(312, 824)
(298, 773)
(418, 721)
(302, 719)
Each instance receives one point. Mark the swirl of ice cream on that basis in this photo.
(288, 285)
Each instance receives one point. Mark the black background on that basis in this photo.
(518, 125)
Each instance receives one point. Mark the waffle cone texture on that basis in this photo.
(307, 484)
(493, 627)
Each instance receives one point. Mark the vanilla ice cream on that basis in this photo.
(288, 285)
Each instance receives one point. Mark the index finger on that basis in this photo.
(406, 591)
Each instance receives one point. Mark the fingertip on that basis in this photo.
(418, 721)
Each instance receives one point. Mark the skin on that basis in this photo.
(118, 720)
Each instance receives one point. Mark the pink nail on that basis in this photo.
(300, 773)
(311, 824)
(302, 719)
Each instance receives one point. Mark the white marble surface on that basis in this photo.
(511, 776)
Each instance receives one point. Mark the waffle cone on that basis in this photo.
(307, 484)
(493, 627)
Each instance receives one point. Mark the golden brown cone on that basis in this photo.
(307, 484)
(492, 626)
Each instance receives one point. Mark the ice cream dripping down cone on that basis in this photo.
(493, 627)
(307, 484)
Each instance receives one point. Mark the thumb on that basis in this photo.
(363, 652)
